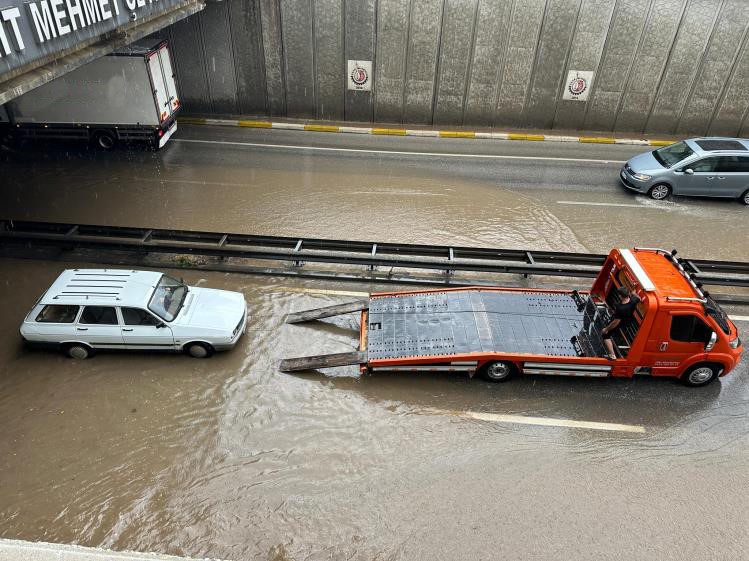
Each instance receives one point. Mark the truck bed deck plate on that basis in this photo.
(461, 322)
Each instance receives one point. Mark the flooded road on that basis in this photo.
(229, 458)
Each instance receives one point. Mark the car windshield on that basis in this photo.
(167, 298)
(717, 313)
(671, 155)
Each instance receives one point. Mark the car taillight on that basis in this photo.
(735, 343)
(161, 133)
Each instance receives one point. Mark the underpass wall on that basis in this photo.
(660, 66)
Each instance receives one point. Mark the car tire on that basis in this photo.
(700, 375)
(745, 197)
(198, 350)
(78, 351)
(497, 371)
(659, 192)
(104, 140)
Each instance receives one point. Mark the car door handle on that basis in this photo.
(664, 345)
(721, 177)
(711, 177)
(82, 328)
(127, 329)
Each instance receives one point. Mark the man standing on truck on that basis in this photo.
(624, 312)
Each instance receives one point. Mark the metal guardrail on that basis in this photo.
(369, 255)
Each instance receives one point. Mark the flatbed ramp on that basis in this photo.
(463, 322)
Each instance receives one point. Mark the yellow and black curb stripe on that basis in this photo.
(417, 132)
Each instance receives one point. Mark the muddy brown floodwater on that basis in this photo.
(229, 458)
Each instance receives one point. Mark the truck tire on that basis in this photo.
(78, 351)
(497, 371)
(700, 374)
(104, 140)
(198, 350)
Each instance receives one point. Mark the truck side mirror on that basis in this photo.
(711, 343)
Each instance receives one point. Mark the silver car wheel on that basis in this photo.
(700, 375)
(745, 199)
(659, 192)
(78, 352)
(196, 350)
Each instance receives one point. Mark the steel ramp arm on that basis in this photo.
(328, 311)
(322, 361)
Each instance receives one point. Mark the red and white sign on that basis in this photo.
(360, 75)
(577, 86)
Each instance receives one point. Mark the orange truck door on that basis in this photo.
(675, 341)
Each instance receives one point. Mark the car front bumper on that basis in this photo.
(632, 184)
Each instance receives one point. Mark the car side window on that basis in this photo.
(136, 316)
(99, 315)
(704, 165)
(727, 164)
(689, 329)
(54, 313)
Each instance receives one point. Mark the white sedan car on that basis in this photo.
(89, 309)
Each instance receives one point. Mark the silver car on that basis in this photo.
(699, 167)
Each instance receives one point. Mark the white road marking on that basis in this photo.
(395, 152)
(547, 422)
(319, 291)
(586, 203)
(223, 184)
(739, 318)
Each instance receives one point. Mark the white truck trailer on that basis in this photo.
(129, 95)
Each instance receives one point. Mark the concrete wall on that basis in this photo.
(662, 66)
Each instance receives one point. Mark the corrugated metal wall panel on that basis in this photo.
(661, 65)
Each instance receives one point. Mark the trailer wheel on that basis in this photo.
(498, 371)
(104, 140)
(700, 375)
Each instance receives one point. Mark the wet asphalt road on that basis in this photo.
(229, 458)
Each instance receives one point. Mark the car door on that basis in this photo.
(701, 182)
(143, 330)
(732, 176)
(682, 336)
(99, 327)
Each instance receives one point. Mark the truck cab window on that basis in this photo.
(99, 315)
(689, 329)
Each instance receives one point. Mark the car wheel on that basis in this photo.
(659, 192)
(104, 140)
(700, 375)
(78, 352)
(498, 371)
(745, 197)
(198, 350)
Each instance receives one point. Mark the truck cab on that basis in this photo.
(678, 329)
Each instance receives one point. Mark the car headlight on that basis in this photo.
(734, 344)
(641, 176)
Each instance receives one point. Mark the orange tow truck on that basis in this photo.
(678, 330)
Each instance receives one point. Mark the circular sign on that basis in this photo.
(359, 76)
(578, 86)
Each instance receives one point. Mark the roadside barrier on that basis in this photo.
(421, 132)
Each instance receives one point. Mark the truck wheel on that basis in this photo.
(78, 351)
(497, 371)
(659, 192)
(198, 350)
(104, 140)
(700, 375)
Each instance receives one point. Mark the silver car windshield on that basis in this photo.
(671, 155)
(167, 298)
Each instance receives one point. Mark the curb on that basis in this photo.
(417, 132)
